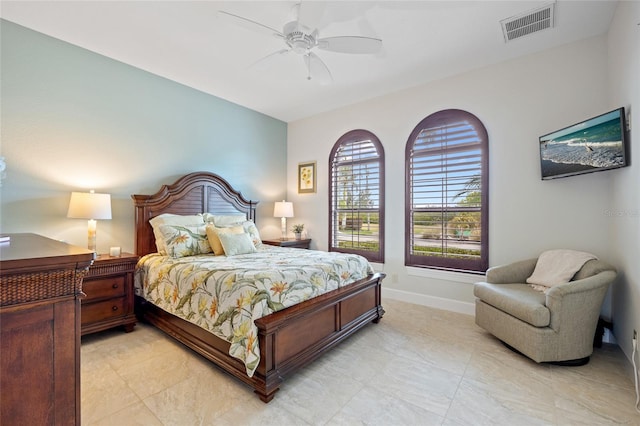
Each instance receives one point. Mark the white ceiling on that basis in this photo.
(189, 42)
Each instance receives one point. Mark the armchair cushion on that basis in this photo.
(520, 301)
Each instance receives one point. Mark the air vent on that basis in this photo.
(527, 23)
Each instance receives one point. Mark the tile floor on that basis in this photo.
(417, 366)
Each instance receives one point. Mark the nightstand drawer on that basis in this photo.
(109, 290)
(104, 288)
(101, 311)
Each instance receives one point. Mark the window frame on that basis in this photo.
(349, 137)
(439, 262)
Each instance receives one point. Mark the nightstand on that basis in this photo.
(288, 242)
(109, 290)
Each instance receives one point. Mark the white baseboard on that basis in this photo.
(430, 301)
(450, 305)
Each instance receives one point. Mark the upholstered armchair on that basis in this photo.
(557, 325)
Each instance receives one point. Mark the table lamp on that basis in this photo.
(91, 206)
(283, 209)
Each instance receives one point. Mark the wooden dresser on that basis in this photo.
(41, 287)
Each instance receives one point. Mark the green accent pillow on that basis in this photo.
(236, 244)
(214, 240)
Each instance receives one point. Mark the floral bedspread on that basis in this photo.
(224, 295)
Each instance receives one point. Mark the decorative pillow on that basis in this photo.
(223, 221)
(234, 244)
(214, 239)
(251, 229)
(556, 267)
(171, 219)
(184, 241)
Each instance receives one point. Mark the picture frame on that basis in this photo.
(307, 177)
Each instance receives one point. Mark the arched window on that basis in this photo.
(356, 195)
(447, 193)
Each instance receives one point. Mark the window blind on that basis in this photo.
(356, 185)
(446, 193)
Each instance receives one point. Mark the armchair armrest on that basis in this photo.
(593, 282)
(516, 272)
(574, 304)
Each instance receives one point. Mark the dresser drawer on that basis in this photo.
(103, 287)
(100, 311)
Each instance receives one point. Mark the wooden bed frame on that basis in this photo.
(288, 339)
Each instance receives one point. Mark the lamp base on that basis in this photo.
(91, 236)
(283, 222)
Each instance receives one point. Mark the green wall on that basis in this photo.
(73, 120)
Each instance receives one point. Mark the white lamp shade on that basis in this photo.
(89, 205)
(283, 209)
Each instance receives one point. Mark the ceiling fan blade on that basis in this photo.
(249, 24)
(294, 13)
(271, 57)
(313, 14)
(317, 69)
(350, 44)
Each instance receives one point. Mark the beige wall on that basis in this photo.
(517, 101)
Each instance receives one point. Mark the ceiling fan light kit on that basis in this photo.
(301, 40)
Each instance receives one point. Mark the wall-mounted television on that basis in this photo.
(592, 145)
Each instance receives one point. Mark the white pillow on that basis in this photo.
(222, 221)
(556, 267)
(171, 219)
(234, 244)
(251, 229)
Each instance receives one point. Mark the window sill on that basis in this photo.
(459, 277)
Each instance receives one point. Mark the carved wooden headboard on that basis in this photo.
(194, 193)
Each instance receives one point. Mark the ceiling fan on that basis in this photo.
(301, 40)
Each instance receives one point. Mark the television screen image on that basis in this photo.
(595, 144)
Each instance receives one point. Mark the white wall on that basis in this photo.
(624, 221)
(517, 101)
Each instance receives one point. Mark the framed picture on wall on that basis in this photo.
(306, 177)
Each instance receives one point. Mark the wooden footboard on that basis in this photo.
(289, 339)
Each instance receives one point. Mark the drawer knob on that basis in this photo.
(115, 285)
(114, 308)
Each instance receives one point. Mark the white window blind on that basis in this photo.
(446, 191)
(356, 195)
